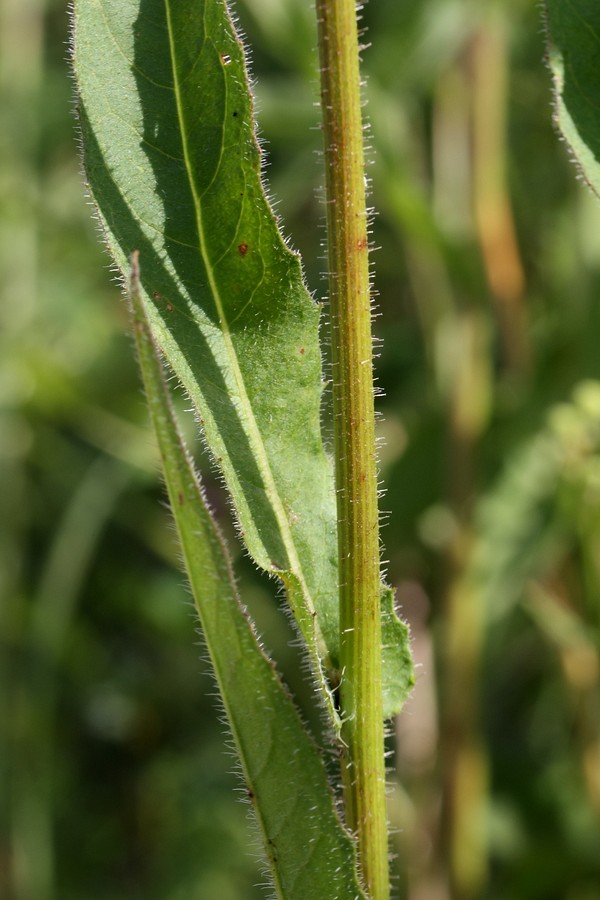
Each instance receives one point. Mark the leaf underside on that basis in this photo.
(573, 33)
(173, 167)
(310, 854)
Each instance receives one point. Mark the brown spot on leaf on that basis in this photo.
(242, 249)
(159, 298)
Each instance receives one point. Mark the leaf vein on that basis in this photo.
(131, 63)
(253, 429)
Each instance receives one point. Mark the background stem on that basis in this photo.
(356, 472)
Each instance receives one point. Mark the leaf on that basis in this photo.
(573, 33)
(397, 662)
(310, 853)
(174, 170)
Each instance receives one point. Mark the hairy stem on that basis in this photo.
(356, 472)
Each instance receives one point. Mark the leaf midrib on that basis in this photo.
(254, 435)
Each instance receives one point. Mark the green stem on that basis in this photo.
(356, 468)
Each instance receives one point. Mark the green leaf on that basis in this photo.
(573, 31)
(396, 658)
(173, 168)
(310, 853)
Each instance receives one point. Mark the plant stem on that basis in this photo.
(354, 424)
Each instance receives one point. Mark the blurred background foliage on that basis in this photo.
(113, 780)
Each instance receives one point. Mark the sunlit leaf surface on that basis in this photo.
(174, 168)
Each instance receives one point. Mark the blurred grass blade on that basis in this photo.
(174, 169)
(573, 31)
(310, 853)
(520, 530)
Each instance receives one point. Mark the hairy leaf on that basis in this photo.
(173, 167)
(573, 29)
(310, 853)
(396, 657)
